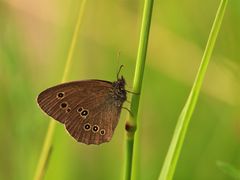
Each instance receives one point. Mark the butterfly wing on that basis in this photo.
(53, 99)
(85, 107)
(98, 126)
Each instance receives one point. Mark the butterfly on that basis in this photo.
(89, 109)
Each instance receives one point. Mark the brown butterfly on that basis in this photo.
(89, 109)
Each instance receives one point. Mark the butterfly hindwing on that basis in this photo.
(98, 126)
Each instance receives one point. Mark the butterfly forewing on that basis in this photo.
(50, 102)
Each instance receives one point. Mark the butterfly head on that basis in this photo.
(121, 82)
(119, 89)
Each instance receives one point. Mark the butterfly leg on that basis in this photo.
(132, 92)
(128, 111)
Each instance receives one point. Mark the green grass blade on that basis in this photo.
(45, 153)
(174, 150)
(131, 123)
(229, 170)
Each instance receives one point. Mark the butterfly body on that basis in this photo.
(89, 109)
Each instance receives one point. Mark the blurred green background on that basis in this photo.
(34, 42)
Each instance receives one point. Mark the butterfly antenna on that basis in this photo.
(118, 55)
(119, 71)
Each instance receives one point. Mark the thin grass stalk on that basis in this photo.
(131, 123)
(229, 170)
(45, 153)
(179, 135)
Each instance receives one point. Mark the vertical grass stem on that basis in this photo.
(131, 123)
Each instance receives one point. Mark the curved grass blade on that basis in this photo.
(46, 149)
(174, 150)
